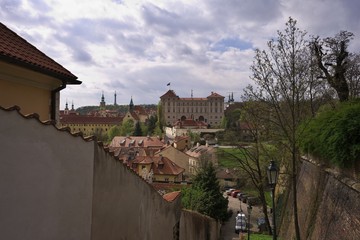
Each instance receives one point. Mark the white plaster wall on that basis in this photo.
(126, 207)
(46, 179)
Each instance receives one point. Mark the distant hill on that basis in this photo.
(120, 108)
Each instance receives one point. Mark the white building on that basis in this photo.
(209, 110)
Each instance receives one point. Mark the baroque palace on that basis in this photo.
(209, 110)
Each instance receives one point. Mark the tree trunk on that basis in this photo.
(294, 183)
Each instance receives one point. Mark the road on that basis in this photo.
(228, 229)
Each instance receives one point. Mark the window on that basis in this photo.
(166, 179)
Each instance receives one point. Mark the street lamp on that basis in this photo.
(249, 209)
(272, 174)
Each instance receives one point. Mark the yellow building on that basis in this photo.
(29, 78)
(89, 125)
(98, 123)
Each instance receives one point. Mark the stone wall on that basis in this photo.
(46, 179)
(195, 226)
(328, 206)
(126, 207)
(55, 185)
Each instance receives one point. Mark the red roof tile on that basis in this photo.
(136, 141)
(171, 196)
(160, 165)
(169, 93)
(16, 50)
(191, 123)
(215, 95)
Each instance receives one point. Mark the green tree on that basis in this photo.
(160, 118)
(204, 195)
(137, 129)
(127, 127)
(151, 124)
(334, 135)
(113, 132)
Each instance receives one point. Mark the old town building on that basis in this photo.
(209, 110)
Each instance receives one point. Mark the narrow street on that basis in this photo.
(228, 229)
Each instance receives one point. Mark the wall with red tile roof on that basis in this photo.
(73, 186)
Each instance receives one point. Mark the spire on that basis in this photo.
(131, 105)
(66, 105)
(102, 103)
(115, 99)
(72, 106)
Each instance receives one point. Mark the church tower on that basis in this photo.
(115, 104)
(131, 105)
(102, 103)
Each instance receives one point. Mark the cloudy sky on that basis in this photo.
(137, 47)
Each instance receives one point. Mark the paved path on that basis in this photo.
(228, 229)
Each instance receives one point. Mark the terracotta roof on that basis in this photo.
(227, 174)
(87, 119)
(171, 196)
(160, 165)
(197, 151)
(181, 138)
(169, 93)
(133, 115)
(140, 110)
(215, 95)
(246, 126)
(191, 123)
(136, 141)
(16, 50)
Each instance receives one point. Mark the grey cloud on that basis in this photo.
(171, 23)
(81, 55)
(12, 10)
(233, 11)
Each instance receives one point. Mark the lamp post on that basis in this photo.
(272, 174)
(249, 209)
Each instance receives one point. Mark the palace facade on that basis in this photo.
(209, 110)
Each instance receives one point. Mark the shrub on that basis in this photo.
(334, 135)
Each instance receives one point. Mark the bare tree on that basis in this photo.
(282, 84)
(332, 58)
(353, 75)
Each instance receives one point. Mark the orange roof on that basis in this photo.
(215, 95)
(191, 123)
(136, 141)
(169, 93)
(171, 196)
(160, 165)
(16, 50)
(88, 119)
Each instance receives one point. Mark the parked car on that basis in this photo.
(240, 222)
(253, 201)
(228, 192)
(234, 193)
(261, 224)
(245, 198)
(242, 196)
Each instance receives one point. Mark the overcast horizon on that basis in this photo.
(137, 47)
